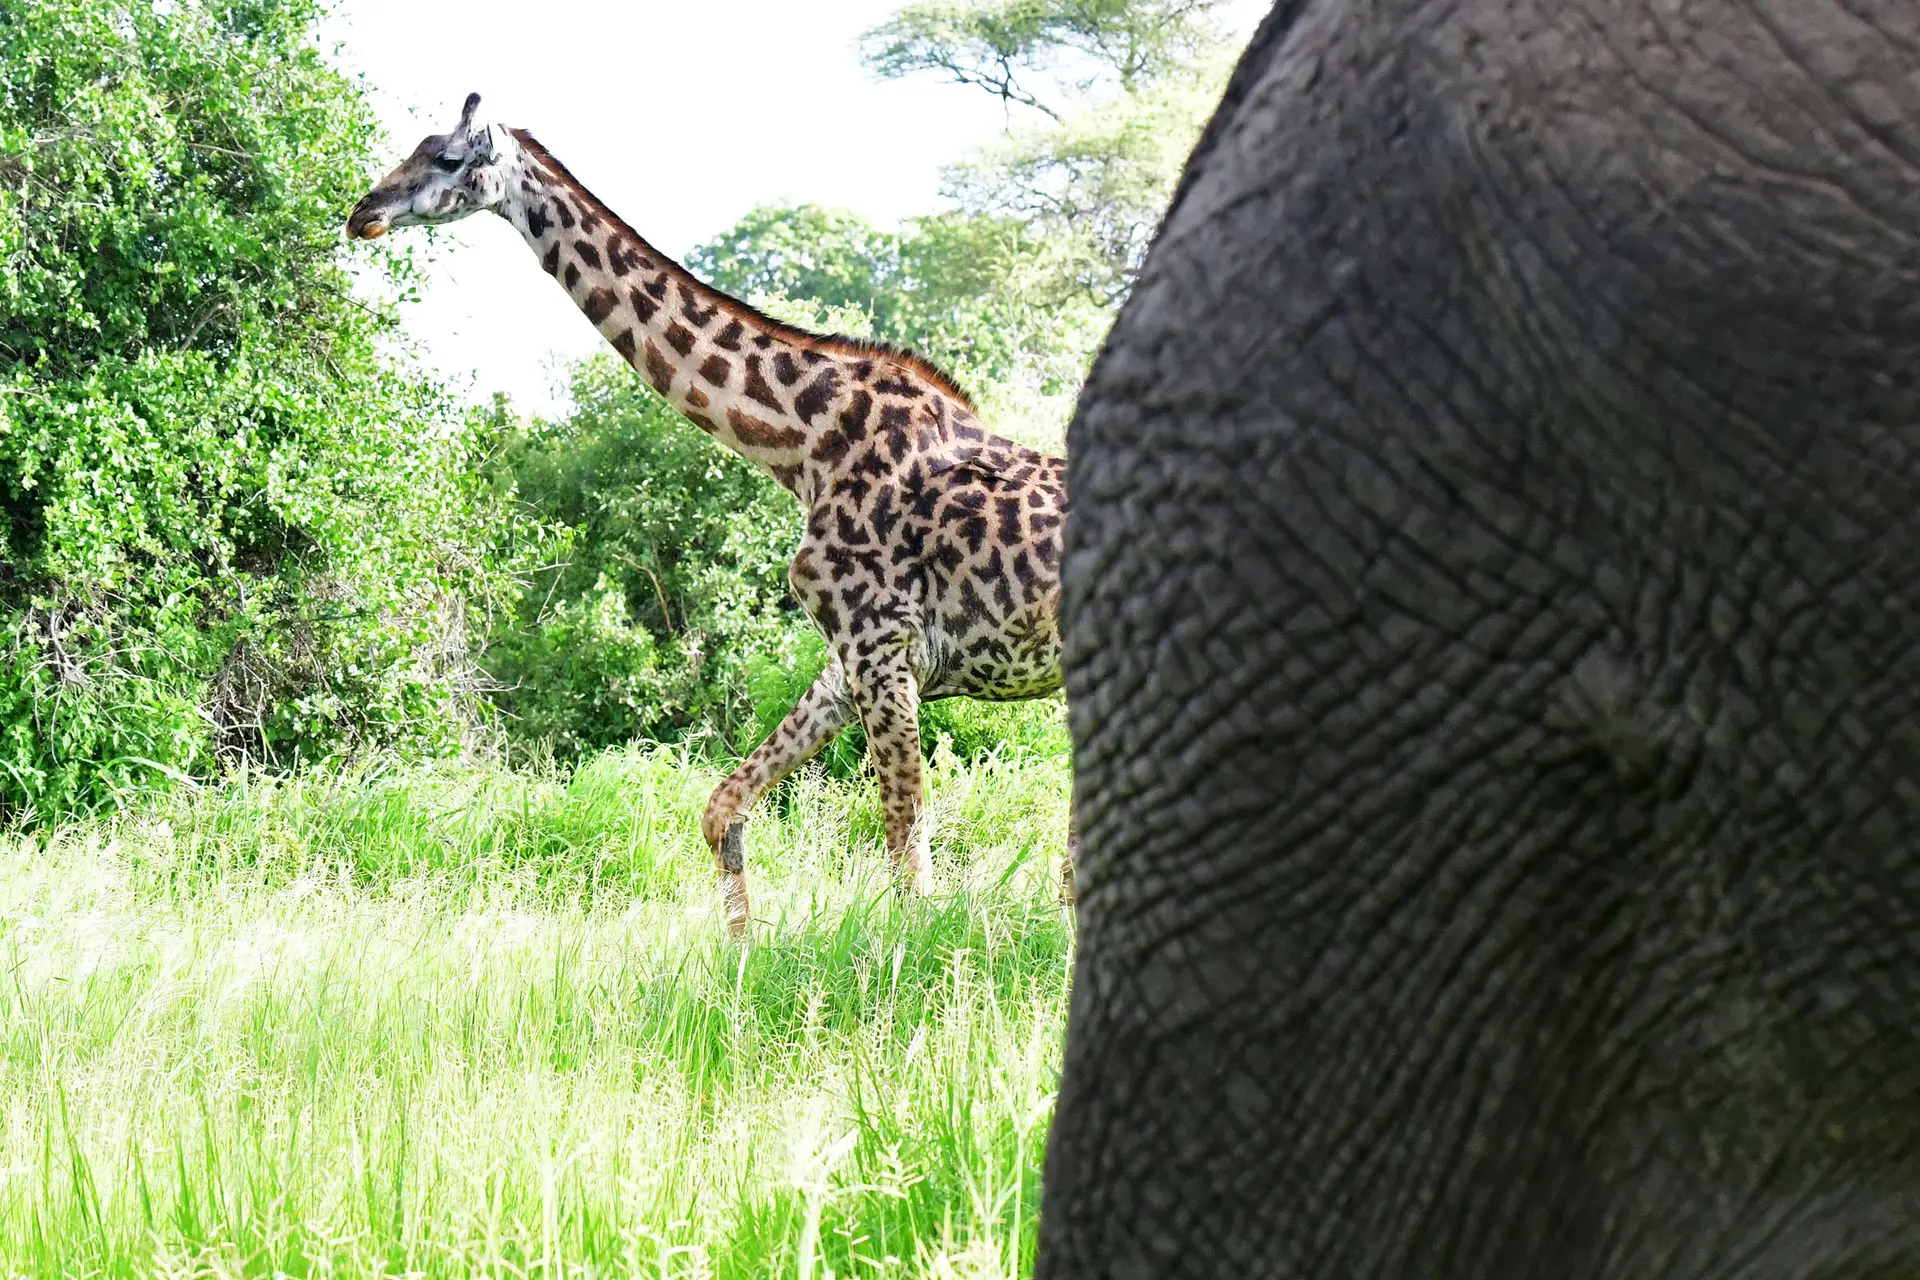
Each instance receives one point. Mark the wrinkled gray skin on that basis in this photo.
(1493, 625)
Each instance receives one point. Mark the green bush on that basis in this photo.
(671, 586)
(230, 528)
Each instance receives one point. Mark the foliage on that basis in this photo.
(674, 583)
(1093, 183)
(1091, 179)
(974, 293)
(993, 44)
(453, 1021)
(229, 527)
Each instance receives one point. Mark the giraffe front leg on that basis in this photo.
(821, 712)
(888, 696)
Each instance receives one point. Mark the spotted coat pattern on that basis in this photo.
(932, 550)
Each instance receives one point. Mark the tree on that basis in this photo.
(977, 293)
(230, 527)
(1004, 46)
(1091, 178)
(672, 587)
(830, 257)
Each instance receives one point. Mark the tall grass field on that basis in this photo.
(463, 1021)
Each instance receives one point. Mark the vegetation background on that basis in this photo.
(353, 738)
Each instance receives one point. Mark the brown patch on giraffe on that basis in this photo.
(728, 339)
(691, 309)
(756, 433)
(701, 421)
(831, 447)
(698, 398)
(573, 274)
(551, 262)
(758, 389)
(680, 338)
(785, 369)
(625, 344)
(898, 386)
(643, 306)
(819, 394)
(1008, 509)
(600, 304)
(659, 372)
(589, 253)
(763, 340)
(893, 423)
(786, 474)
(717, 369)
(537, 220)
(853, 419)
(566, 214)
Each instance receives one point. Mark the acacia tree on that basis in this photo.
(1008, 46)
(1118, 89)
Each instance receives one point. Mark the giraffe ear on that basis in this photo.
(467, 113)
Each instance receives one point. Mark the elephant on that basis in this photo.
(1491, 624)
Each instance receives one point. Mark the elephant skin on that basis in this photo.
(1492, 610)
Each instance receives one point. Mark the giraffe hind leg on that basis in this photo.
(888, 697)
(821, 713)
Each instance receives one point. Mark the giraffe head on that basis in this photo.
(448, 176)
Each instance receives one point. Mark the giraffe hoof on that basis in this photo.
(917, 881)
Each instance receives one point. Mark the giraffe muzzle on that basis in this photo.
(365, 223)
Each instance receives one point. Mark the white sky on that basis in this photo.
(681, 114)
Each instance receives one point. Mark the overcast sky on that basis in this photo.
(680, 114)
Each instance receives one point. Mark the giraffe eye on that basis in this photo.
(447, 164)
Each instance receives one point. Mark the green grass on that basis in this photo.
(463, 1022)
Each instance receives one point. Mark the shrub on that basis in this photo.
(672, 585)
(230, 527)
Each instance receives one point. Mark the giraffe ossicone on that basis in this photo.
(931, 560)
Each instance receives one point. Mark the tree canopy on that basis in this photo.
(1010, 48)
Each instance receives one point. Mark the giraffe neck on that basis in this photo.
(759, 389)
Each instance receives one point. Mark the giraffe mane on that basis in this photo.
(839, 343)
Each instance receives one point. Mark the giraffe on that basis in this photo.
(931, 558)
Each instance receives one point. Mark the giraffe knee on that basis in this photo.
(722, 817)
(731, 855)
